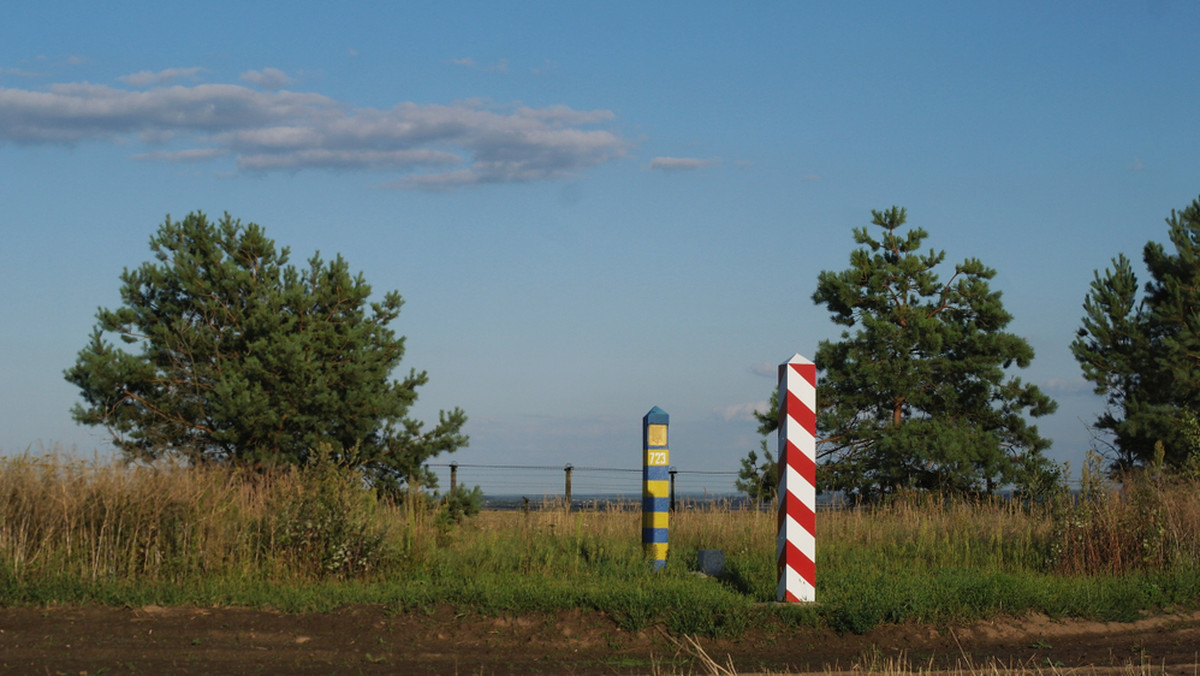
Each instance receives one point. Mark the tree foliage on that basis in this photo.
(758, 477)
(230, 354)
(915, 394)
(1142, 350)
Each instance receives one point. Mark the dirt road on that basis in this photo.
(368, 640)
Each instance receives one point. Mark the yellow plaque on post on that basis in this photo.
(656, 435)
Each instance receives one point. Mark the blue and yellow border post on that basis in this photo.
(656, 461)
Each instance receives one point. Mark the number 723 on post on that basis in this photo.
(656, 457)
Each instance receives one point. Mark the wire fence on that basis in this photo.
(506, 486)
(542, 481)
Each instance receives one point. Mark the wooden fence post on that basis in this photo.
(567, 488)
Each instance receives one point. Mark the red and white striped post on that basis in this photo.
(796, 544)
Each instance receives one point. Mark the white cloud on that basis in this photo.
(500, 66)
(146, 78)
(681, 163)
(561, 114)
(460, 144)
(765, 369)
(19, 72)
(81, 111)
(1065, 387)
(267, 78)
(743, 412)
(346, 159)
(190, 155)
(436, 182)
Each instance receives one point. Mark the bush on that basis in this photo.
(323, 520)
(459, 504)
(1148, 521)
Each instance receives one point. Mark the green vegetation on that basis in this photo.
(758, 478)
(915, 395)
(313, 538)
(247, 360)
(1141, 349)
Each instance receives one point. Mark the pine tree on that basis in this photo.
(758, 477)
(917, 396)
(244, 359)
(1143, 352)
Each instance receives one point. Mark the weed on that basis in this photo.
(315, 538)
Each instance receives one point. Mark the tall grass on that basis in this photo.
(95, 521)
(315, 538)
(1147, 521)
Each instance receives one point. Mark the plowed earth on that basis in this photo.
(369, 640)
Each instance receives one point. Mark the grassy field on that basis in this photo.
(87, 532)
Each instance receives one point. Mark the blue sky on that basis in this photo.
(590, 208)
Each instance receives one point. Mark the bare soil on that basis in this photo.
(369, 640)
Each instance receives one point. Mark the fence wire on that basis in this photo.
(537, 481)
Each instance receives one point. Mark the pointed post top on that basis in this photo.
(656, 416)
(800, 365)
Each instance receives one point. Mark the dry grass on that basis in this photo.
(876, 664)
(1147, 521)
(102, 520)
(63, 519)
(98, 522)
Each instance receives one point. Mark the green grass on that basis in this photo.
(310, 541)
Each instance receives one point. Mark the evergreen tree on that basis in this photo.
(1143, 352)
(758, 478)
(917, 395)
(244, 359)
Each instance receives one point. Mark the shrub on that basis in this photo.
(322, 520)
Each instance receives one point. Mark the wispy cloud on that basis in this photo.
(430, 146)
(43, 66)
(267, 78)
(1065, 387)
(742, 412)
(19, 72)
(80, 111)
(765, 369)
(190, 155)
(500, 66)
(681, 163)
(147, 78)
(547, 66)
